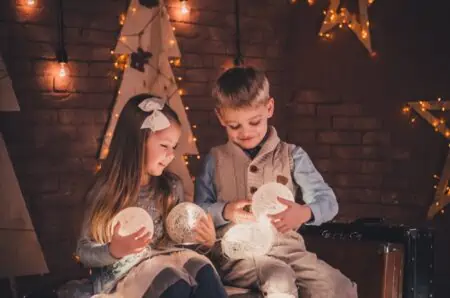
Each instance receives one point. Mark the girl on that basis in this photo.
(133, 174)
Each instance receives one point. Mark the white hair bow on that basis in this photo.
(156, 120)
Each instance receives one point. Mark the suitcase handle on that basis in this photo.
(368, 221)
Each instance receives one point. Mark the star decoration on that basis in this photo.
(358, 24)
(139, 59)
(442, 195)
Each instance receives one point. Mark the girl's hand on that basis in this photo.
(121, 246)
(205, 231)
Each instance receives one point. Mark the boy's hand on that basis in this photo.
(205, 232)
(121, 246)
(236, 213)
(292, 218)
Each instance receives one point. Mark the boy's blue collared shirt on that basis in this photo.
(316, 192)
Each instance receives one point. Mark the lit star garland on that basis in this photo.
(341, 17)
(423, 108)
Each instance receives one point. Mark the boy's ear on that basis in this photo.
(217, 111)
(270, 107)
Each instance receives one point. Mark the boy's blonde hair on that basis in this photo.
(241, 87)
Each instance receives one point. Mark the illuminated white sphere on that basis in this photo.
(132, 219)
(264, 200)
(181, 221)
(247, 240)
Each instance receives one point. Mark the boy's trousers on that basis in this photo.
(289, 269)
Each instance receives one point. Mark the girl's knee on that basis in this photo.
(180, 289)
(207, 272)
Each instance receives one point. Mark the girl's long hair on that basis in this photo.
(118, 182)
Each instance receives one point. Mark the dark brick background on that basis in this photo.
(342, 106)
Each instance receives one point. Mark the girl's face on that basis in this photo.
(159, 149)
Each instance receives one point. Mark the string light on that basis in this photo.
(184, 7)
(122, 19)
(62, 70)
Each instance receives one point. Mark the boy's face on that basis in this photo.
(246, 126)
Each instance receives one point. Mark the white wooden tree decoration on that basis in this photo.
(442, 194)
(147, 37)
(359, 24)
(20, 251)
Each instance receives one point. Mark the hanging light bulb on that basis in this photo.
(62, 70)
(184, 7)
(31, 2)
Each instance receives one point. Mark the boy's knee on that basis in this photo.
(279, 280)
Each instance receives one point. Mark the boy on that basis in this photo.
(253, 156)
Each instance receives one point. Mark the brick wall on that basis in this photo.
(55, 138)
(344, 108)
(341, 106)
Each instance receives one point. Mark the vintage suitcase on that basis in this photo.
(385, 261)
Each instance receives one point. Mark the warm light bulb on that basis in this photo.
(31, 2)
(184, 7)
(62, 70)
